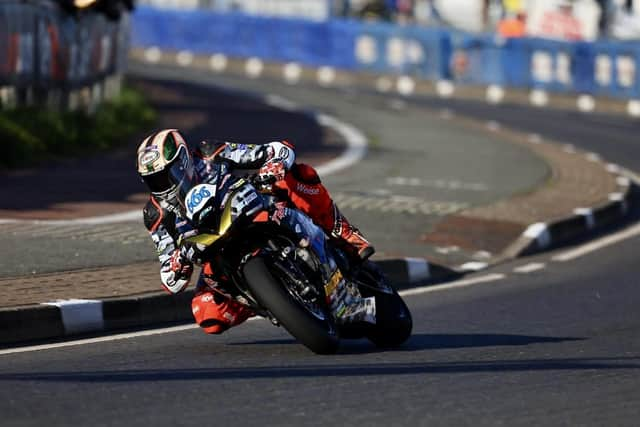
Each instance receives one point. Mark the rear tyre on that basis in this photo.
(318, 334)
(393, 318)
(393, 321)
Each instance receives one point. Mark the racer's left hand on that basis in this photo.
(191, 252)
(271, 172)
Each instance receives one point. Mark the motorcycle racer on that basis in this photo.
(170, 170)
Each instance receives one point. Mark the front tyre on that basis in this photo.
(316, 333)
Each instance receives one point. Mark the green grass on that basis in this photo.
(29, 136)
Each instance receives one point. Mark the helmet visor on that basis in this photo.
(174, 180)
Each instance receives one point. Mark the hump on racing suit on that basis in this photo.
(246, 156)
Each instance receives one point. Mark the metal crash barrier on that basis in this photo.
(601, 68)
(50, 57)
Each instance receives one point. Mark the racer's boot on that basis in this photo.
(213, 309)
(355, 243)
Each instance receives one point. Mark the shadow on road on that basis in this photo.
(433, 342)
(310, 371)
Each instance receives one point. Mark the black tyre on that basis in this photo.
(393, 321)
(393, 318)
(315, 330)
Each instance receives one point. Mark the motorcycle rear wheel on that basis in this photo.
(393, 318)
(319, 335)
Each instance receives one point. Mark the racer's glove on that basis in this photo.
(181, 266)
(191, 252)
(175, 272)
(270, 173)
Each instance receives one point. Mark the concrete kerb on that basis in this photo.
(585, 222)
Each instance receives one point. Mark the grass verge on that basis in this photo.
(29, 136)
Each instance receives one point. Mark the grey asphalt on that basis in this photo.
(558, 347)
(454, 166)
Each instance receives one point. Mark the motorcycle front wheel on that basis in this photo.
(312, 326)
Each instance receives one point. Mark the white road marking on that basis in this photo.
(586, 103)
(495, 94)
(539, 98)
(253, 67)
(326, 76)
(613, 168)
(474, 266)
(623, 181)
(184, 58)
(117, 337)
(598, 244)
(594, 157)
(397, 204)
(437, 183)
(356, 145)
(405, 85)
(445, 88)
(633, 108)
(280, 102)
(481, 255)
(292, 72)
(218, 62)
(529, 268)
(446, 249)
(534, 138)
(453, 285)
(153, 54)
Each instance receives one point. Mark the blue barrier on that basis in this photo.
(311, 43)
(601, 68)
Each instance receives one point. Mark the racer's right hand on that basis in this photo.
(181, 267)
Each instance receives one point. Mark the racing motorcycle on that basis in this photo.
(280, 264)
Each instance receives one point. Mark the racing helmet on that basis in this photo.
(165, 165)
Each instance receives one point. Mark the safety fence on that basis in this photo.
(49, 57)
(600, 68)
